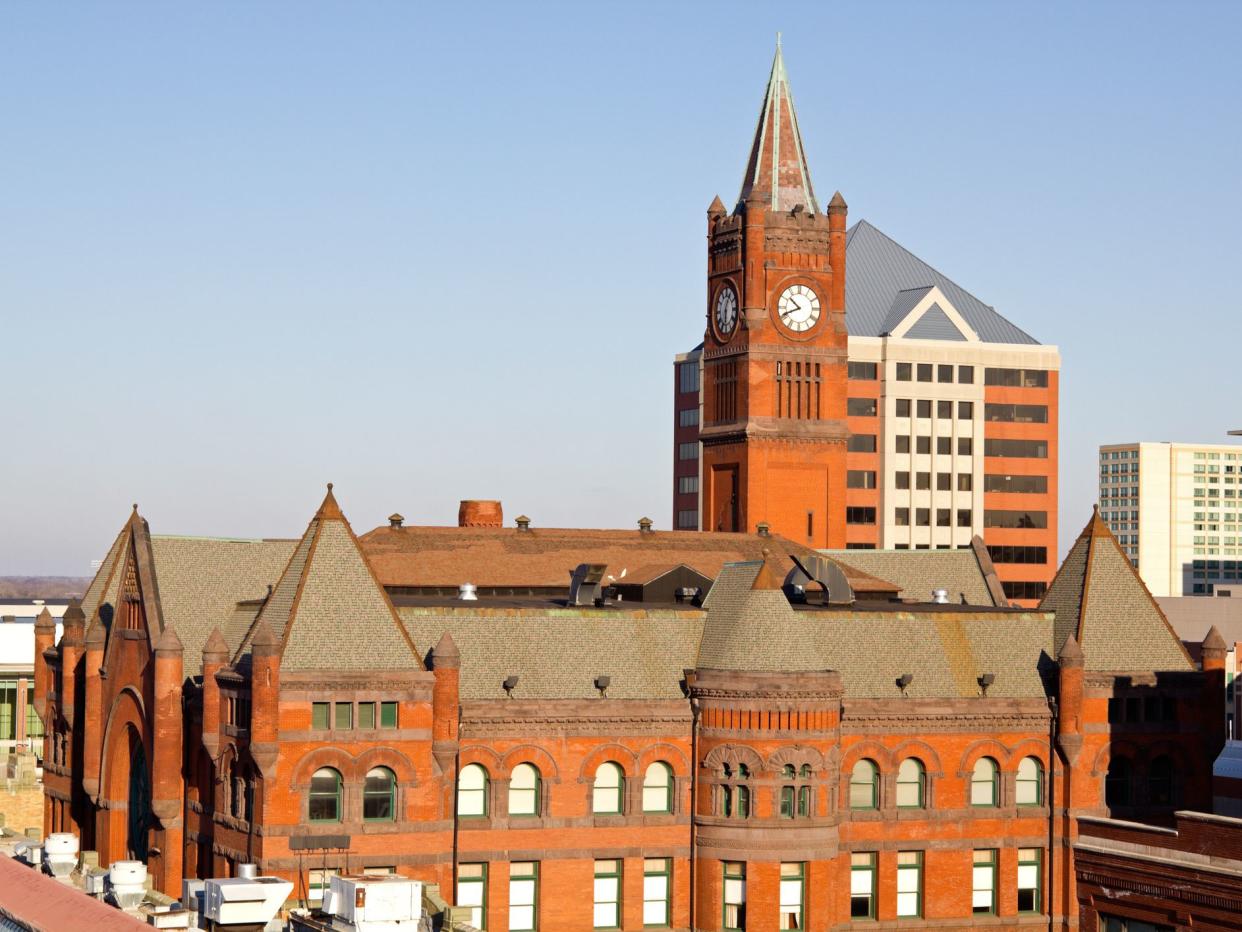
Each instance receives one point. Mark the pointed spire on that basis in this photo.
(769, 577)
(45, 621)
(445, 654)
(1071, 653)
(1214, 640)
(777, 169)
(716, 207)
(215, 649)
(837, 202)
(330, 509)
(97, 636)
(168, 642)
(73, 614)
(264, 642)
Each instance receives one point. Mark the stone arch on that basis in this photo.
(1104, 756)
(401, 766)
(877, 752)
(984, 747)
(608, 752)
(926, 754)
(669, 754)
(733, 755)
(797, 755)
(482, 755)
(1028, 747)
(532, 754)
(127, 711)
(333, 757)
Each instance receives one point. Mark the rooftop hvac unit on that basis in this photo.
(235, 902)
(192, 894)
(374, 903)
(95, 882)
(60, 853)
(127, 883)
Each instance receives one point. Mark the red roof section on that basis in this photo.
(47, 905)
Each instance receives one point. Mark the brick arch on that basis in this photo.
(984, 747)
(881, 756)
(482, 755)
(531, 754)
(1029, 747)
(608, 752)
(733, 755)
(796, 754)
(665, 753)
(333, 757)
(1104, 756)
(127, 710)
(401, 766)
(920, 750)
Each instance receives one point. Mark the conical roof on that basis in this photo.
(1102, 603)
(777, 168)
(328, 611)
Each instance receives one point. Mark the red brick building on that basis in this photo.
(755, 737)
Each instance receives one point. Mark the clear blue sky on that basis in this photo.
(442, 252)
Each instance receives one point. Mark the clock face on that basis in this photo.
(798, 308)
(726, 310)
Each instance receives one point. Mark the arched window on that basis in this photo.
(1117, 782)
(608, 790)
(1029, 787)
(911, 784)
(379, 795)
(325, 796)
(984, 785)
(658, 788)
(804, 791)
(864, 785)
(787, 791)
(1160, 782)
(472, 792)
(524, 790)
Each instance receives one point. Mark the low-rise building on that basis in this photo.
(20, 727)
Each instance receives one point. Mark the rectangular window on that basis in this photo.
(1015, 519)
(966, 375)
(924, 407)
(472, 892)
(688, 417)
(1016, 414)
(1030, 880)
(922, 518)
(944, 410)
(964, 446)
(388, 715)
(862, 885)
(965, 481)
(902, 479)
(1022, 484)
(688, 485)
(964, 517)
(688, 377)
(922, 444)
(944, 482)
(860, 407)
(861, 443)
(901, 517)
(1120, 924)
(523, 895)
(922, 480)
(1016, 378)
(903, 407)
(608, 894)
(657, 890)
(321, 715)
(909, 884)
(688, 519)
(792, 883)
(344, 715)
(366, 714)
(943, 517)
(944, 373)
(688, 451)
(860, 479)
(924, 372)
(983, 883)
(903, 372)
(857, 514)
(862, 371)
(1026, 449)
(944, 446)
(734, 896)
(903, 443)
(1024, 589)
(965, 410)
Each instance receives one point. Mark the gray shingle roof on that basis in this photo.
(878, 270)
(934, 325)
(558, 652)
(919, 572)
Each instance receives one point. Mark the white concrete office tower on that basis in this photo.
(1176, 509)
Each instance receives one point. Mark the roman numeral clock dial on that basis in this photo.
(798, 308)
(726, 310)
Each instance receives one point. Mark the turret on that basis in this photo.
(215, 656)
(45, 637)
(1213, 717)
(837, 210)
(70, 652)
(446, 666)
(265, 698)
(1070, 664)
(92, 708)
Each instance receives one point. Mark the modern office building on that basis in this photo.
(20, 727)
(852, 395)
(1176, 509)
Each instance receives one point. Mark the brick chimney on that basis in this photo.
(475, 512)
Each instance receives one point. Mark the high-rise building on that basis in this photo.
(852, 395)
(1176, 509)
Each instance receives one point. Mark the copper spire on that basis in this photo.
(777, 169)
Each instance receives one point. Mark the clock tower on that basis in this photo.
(774, 353)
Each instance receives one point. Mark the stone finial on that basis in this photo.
(97, 636)
(168, 642)
(215, 650)
(1071, 654)
(717, 207)
(445, 655)
(1214, 640)
(45, 621)
(329, 508)
(265, 643)
(837, 203)
(74, 616)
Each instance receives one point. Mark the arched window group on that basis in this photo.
(796, 791)
(526, 793)
(734, 798)
(911, 787)
(379, 795)
(1125, 785)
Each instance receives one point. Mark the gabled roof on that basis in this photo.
(328, 611)
(1100, 599)
(946, 651)
(880, 272)
(934, 325)
(967, 573)
(777, 168)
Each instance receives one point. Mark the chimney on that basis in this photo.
(480, 513)
(644, 525)
(523, 523)
(395, 520)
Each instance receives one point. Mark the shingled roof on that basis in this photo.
(946, 651)
(967, 574)
(1100, 599)
(328, 610)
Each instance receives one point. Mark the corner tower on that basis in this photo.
(774, 352)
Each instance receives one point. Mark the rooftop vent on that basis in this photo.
(395, 520)
(468, 592)
(474, 512)
(904, 681)
(585, 584)
(763, 529)
(644, 525)
(985, 681)
(523, 523)
(602, 683)
(940, 596)
(510, 684)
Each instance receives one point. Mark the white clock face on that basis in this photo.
(798, 308)
(726, 310)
